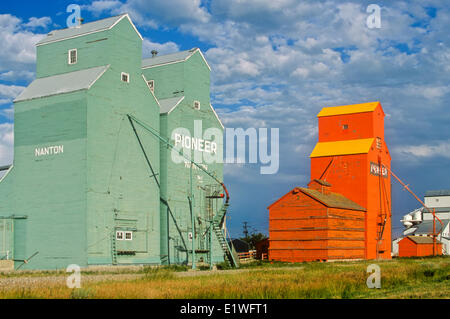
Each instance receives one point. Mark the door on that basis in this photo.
(6, 239)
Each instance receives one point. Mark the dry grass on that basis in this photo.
(401, 278)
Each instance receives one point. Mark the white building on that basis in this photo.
(419, 222)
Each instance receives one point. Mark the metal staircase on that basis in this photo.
(114, 249)
(227, 249)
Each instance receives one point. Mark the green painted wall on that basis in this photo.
(96, 49)
(51, 189)
(121, 193)
(193, 82)
(71, 204)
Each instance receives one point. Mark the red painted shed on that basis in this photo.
(310, 224)
(415, 246)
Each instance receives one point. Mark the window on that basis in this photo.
(119, 235)
(125, 77)
(73, 56)
(128, 235)
(345, 127)
(197, 105)
(151, 85)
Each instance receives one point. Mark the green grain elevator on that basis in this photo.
(103, 173)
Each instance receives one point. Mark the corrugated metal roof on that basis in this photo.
(167, 105)
(422, 239)
(348, 109)
(426, 227)
(441, 192)
(333, 200)
(86, 28)
(62, 83)
(168, 58)
(359, 146)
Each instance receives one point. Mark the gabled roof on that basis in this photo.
(217, 116)
(441, 192)
(422, 239)
(86, 28)
(62, 83)
(332, 200)
(348, 109)
(359, 146)
(168, 105)
(426, 226)
(172, 58)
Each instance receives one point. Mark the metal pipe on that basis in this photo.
(433, 212)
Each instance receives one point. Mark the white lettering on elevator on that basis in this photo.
(49, 150)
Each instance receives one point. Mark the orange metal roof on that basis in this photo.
(348, 109)
(359, 146)
(333, 200)
(422, 240)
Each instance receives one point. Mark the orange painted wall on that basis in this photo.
(350, 175)
(303, 229)
(408, 248)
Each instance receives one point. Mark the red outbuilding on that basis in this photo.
(416, 246)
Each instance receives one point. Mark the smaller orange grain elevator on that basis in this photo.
(345, 213)
(352, 156)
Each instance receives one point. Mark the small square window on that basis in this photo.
(125, 77)
(119, 235)
(73, 58)
(345, 127)
(197, 105)
(128, 235)
(151, 85)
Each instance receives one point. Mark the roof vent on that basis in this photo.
(154, 53)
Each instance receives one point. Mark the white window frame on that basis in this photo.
(128, 77)
(120, 232)
(199, 105)
(131, 235)
(152, 87)
(69, 60)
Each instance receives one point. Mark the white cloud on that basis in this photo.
(18, 53)
(430, 150)
(6, 143)
(34, 22)
(162, 48)
(99, 7)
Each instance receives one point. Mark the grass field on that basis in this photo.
(400, 278)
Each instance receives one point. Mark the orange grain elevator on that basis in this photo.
(351, 155)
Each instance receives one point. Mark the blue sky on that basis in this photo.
(276, 64)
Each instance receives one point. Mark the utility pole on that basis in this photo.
(246, 230)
